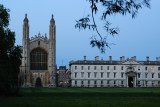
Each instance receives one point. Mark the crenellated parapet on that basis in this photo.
(39, 37)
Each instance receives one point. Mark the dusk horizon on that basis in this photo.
(138, 37)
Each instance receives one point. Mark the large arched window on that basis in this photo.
(38, 59)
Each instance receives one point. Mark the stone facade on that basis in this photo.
(64, 77)
(110, 73)
(38, 66)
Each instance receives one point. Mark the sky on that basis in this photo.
(138, 37)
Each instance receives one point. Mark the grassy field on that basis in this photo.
(84, 97)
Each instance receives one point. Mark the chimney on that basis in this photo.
(134, 58)
(96, 58)
(84, 58)
(147, 58)
(123, 58)
(157, 59)
(110, 58)
(101, 58)
(120, 58)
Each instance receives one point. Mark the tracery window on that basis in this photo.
(38, 59)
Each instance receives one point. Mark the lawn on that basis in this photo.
(84, 97)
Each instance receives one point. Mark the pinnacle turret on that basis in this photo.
(26, 28)
(52, 21)
(26, 19)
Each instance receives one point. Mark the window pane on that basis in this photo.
(38, 59)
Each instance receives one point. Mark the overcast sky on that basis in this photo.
(138, 37)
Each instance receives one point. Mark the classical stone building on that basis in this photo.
(38, 68)
(111, 73)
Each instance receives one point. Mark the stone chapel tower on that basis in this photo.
(52, 50)
(26, 55)
(38, 68)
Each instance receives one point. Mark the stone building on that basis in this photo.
(111, 73)
(64, 77)
(38, 68)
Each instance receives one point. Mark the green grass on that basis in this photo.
(84, 97)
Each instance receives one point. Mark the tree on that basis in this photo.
(10, 56)
(122, 7)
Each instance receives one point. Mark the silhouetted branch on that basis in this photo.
(122, 7)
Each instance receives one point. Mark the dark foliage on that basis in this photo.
(10, 56)
(122, 7)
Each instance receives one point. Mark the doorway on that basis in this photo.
(38, 82)
(130, 81)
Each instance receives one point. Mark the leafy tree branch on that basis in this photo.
(122, 7)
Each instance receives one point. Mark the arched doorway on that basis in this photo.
(38, 82)
(130, 81)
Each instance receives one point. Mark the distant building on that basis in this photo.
(110, 73)
(38, 68)
(64, 77)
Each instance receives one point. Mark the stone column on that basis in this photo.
(134, 81)
(127, 81)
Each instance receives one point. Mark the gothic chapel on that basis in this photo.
(38, 68)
